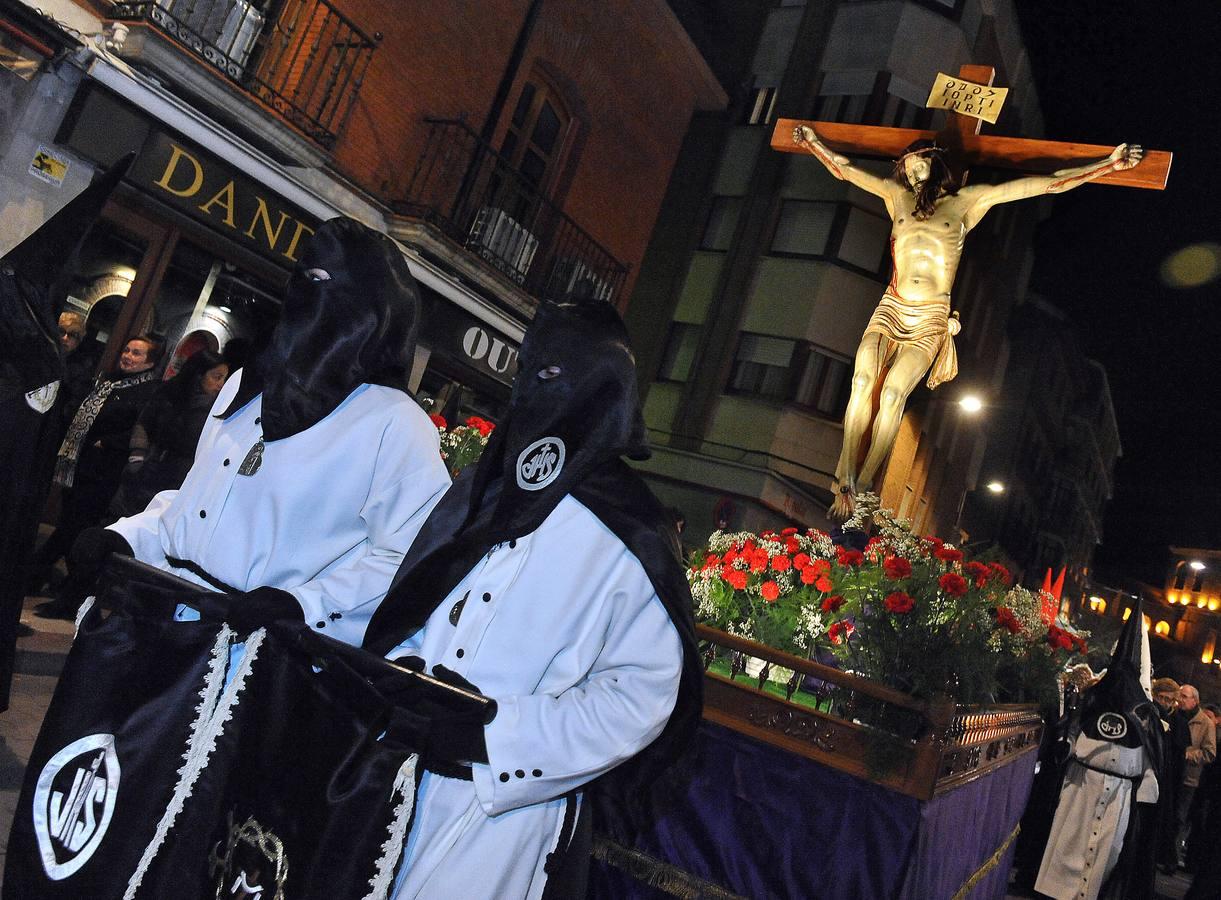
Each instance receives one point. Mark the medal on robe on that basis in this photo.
(253, 459)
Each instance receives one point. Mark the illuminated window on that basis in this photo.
(1162, 628)
(1127, 613)
(1098, 605)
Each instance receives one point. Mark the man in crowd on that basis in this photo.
(548, 577)
(1177, 739)
(1199, 753)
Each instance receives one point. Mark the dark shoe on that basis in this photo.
(56, 609)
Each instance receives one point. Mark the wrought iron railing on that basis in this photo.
(473, 195)
(304, 58)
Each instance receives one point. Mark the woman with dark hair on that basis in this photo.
(163, 441)
(91, 458)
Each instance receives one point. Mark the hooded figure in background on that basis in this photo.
(1103, 839)
(316, 468)
(34, 279)
(549, 579)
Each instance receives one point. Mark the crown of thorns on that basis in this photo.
(923, 151)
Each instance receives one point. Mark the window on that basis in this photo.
(841, 108)
(762, 106)
(762, 366)
(679, 352)
(866, 240)
(722, 221)
(532, 143)
(837, 231)
(823, 381)
(803, 228)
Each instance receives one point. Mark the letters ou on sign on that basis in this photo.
(489, 350)
(979, 101)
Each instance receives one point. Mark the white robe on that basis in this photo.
(562, 627)
(327, 517)
(1092, 817)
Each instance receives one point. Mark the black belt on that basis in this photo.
(1135, 779)
(448, 769)
(200, 572)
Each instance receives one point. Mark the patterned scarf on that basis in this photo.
(70, 450)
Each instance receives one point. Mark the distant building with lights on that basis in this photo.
(1183, 616)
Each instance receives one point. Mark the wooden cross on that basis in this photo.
(968, 147)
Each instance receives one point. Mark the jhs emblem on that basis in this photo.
(73, 803)
(540, 464)
(1112, 726)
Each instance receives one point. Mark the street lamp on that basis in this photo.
(970, 403)
(1197, 565)
(996, 487)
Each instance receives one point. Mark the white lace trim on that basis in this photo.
(210, 718)
(392, 847)
(81, 613)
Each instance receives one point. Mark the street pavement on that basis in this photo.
(40, 657)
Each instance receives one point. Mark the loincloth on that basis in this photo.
(925, 326)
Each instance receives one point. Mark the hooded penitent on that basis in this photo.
(573, 413)
(34, 278)
(1120, 706)
(350, 315)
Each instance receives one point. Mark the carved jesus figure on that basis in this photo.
(912, 329)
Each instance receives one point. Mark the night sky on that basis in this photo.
(1146, 73)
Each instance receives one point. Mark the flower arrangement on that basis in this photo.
(462, 444)
(907, 611)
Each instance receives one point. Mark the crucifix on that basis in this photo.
(932, 209)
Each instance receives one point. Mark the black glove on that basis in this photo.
(456, 737)
(86, 559)
(251, 610)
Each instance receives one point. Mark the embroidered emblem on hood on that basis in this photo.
(540, 464)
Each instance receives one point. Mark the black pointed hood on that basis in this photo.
(356, 327)
(34, 279)
(1115, 709)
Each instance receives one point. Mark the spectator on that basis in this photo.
(1200, 753)
(1205, 808)
(1177, 740)
(80, 364)
(94, 453)
(163, 441)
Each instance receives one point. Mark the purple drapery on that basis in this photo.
(759, 822)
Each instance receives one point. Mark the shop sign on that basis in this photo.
(192, 181)
(488, 350)
(466, 339)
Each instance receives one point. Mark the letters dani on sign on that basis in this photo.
(184, 177)
(967, 98)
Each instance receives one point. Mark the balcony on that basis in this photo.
(474, 197)
(303, 58)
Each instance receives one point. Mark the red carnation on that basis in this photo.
(801, 560)
(808, 576)
(953, 584)
(980, 572)
(1006, 619)
(791, 545)
(788, 531)
(849, 557)
(934, 540)
(897, 568)
(1059, 638)
(768, 535)
(736, 579)
(758, 560)
(824, 584)
(438, 420)
(1001, 574)
(770, 591)
(899, 602)
(948, 554)
(840, 632)
(832, 604)
(780, 563)
(711, 561)
(821, 566)
(483, 426)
